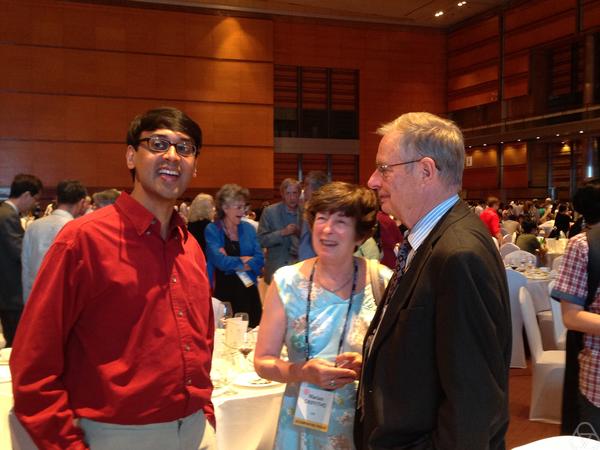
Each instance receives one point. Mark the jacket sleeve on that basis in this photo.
(215, 241)
(11, 232)
(472, 344)
(37, 361)
(27, 273)
(268, 234)
(252, 248)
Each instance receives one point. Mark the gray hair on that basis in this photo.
(201, 207)
(287, 183)
(427, 135)
(230, 193)
(105, 198)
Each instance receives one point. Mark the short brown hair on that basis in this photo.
(349, 199)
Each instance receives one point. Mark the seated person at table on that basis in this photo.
(562, 222)
(528, 241)
(326, 355)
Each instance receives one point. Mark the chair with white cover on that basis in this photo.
(508, 248)
(548, 368)
(509, 238)
(556, 263)
(558, 328)
(496, 242)
(515, 258)
(561, 443)
(516, 281)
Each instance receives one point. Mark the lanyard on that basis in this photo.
(310, 285)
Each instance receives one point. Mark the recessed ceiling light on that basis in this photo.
(518, 140)
(537, 137)
(470, 146)
(502, 142)
(485, 145)
(461, 3)
(557, 134)
(439, 13)
(580, 131)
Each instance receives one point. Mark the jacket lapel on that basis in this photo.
(406, 284)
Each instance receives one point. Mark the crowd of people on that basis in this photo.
(392, 300)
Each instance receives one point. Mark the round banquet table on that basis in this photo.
(246, 418)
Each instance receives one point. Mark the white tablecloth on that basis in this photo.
(246, 417)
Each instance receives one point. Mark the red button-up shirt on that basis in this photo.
(118, 328)
(490, 218)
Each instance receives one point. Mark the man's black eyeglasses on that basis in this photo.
(160, 144)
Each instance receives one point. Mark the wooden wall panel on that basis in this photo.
(591, 14)
(78, 73)
(535, 11)
(389, 85)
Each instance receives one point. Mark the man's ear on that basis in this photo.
(428, 168)
(129, 157)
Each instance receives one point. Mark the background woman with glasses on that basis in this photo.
(233, 254)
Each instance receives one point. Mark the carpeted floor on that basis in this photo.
(521, 430)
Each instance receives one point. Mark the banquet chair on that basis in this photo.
(496, 243)
(558, 327)
(515, 258)
(509, 238)
(508, 248)
(556, 263)
(561, 443)
(20, 438)
(516, 281)
(548, 368)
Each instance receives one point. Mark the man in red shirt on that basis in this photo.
(115, 344)
(490, 218)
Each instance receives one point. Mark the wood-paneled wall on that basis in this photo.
(400, 70)
(74, 75)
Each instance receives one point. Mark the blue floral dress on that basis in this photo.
(327, 316)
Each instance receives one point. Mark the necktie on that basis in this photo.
(401, 261)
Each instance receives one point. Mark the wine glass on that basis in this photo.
(227, 313)
(248, 344)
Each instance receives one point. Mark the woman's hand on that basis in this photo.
(326, 375)
(350, 360)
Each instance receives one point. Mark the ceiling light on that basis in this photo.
(518, 140)
(580, 131)
(485, 145)
(502, 142)
(557, 134)
(439, 13)
(470, 146)
(461, 3)
(537, 137)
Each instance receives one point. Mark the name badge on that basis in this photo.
(245, 278)
(313, 408)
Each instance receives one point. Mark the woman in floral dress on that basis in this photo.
(333, 294)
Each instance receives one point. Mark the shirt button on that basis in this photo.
(187, 348)
(174, 279)
(148, 232)
(188, 381)
(180, 313)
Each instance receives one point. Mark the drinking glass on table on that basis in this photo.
(227, 313)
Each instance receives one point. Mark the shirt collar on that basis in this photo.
(142, 219)
(8, 202)
(62, 213)
(423, 227)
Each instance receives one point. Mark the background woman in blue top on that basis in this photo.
(233, 254)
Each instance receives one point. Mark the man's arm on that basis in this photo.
(472, 329)
(38, 358)
(27, 272)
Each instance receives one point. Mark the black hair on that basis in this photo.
(70, 192)
(587, 201)
(25, 183)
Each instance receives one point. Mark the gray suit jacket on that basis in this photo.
(280, 249)
(11, 241)
(437, 373)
